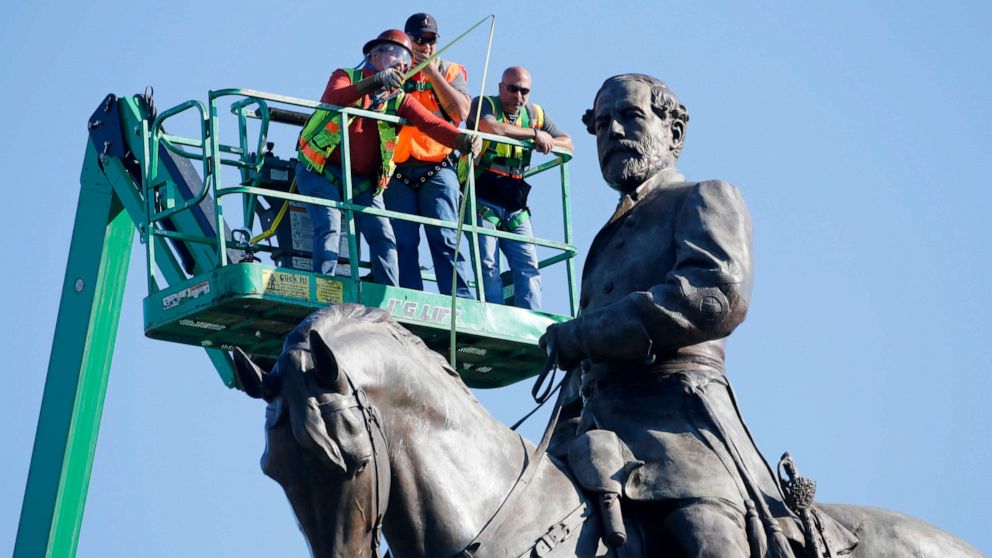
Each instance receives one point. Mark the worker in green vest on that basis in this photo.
(374, 85)
(500, 186)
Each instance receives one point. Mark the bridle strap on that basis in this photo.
(373, 426)
(530, 469)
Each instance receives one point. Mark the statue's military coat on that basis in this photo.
(666, 281)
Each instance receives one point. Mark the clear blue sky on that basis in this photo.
(857, 131)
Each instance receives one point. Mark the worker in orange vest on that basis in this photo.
(425, 182)
(374, 85)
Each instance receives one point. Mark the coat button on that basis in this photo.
(630, 222)
(608, 287)
(618, 243)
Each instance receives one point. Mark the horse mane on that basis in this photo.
(333, 320)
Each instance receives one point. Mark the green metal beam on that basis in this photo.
(78, 369)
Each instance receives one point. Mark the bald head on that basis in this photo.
(514, 89)
(514, 73)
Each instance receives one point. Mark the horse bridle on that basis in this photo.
(373, 426)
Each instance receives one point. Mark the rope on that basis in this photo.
(461, 206)
(275, 222)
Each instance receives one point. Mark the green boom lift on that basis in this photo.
(208, 287)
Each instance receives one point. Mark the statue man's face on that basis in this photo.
(634, 143)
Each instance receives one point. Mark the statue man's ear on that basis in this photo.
(678, 133)
(589, 119)
(326, 369)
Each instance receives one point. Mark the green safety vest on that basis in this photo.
(497, 156)
(321, 135)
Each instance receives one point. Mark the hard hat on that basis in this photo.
(394, 36)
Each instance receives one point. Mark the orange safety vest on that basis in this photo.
(321, 135)
(412, 143)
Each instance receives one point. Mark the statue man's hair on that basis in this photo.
(664, 103)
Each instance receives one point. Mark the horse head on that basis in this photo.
(324, 444)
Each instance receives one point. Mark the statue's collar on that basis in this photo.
(665, 176)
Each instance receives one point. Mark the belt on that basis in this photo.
(415, 184)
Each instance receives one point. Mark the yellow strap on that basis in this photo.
(275, 222)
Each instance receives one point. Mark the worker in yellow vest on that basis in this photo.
(374, 85)
(425, 182)
(501, 189)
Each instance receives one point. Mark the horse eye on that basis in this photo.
(361, 467)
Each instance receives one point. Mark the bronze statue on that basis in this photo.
(369, 431)
(666, 281)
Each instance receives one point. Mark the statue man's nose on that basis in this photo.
(616, 130)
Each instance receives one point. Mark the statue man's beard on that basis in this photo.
(644, 159)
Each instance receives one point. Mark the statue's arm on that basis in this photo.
(703, 297)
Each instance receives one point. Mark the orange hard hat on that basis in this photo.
(394, 36)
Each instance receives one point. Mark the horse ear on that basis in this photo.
(326, 365)
(251, 378)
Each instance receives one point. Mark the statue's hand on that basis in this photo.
(563, 340)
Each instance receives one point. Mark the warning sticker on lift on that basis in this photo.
(189, 293)
(285, 284)
(330, 292)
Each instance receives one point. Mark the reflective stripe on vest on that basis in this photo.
(321, 134)
(413, 143)
(510, 160)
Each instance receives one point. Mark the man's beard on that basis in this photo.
(643, 159)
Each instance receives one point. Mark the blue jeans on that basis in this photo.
(437, 198)
(521, 257)
(327, 225)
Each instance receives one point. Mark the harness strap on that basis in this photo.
(530, 469)
(505, 225)
(357, 189)
(513, 171)
(414, 184)
(559, 532)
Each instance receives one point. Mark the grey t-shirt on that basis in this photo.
(549, 125)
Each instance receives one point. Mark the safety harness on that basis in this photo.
(510, 160)
(513, 221)
(506, 160)
(321, 135)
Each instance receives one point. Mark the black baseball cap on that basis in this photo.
(419, 24)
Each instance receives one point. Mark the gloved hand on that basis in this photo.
(563, 339)
(386, 79)
(469, 143)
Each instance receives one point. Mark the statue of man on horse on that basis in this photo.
(667, 279)
(370, 433)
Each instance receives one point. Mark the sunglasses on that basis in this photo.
(515, 89)
(425, 40)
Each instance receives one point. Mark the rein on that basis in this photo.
(373, 426)
(489, 531)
